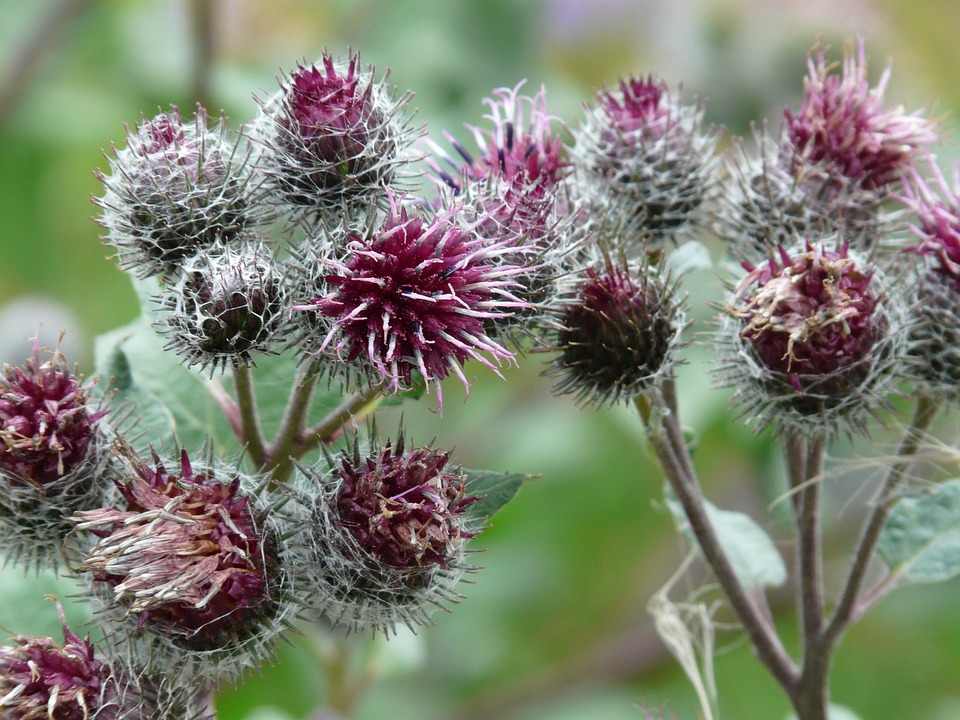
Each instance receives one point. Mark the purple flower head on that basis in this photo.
(388, 534)
(402, 507)
(843, 126)
(641, 107)
(333, 134)
(521, 147)
(642, 154)
(417, 296)
(46, 423)
(41, 678)
(187, 556)
(937, 207)
(811, 319)
(330, 112)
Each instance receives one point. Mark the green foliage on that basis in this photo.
(754, 557)
(494, 490)
(921, 540)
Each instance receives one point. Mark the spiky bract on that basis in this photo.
(388, 535)
(334, 137)
(177, 189)
(225, 308)
(812, 340)
(192, 559)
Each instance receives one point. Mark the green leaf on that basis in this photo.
(495, 489)
(168, 400)
(920, 542)
(754, 557)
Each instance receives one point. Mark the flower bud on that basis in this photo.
(50, 456)
(815, 339)
(618, 331)
(641, 150)
(224, 308)
(333, 135)
(388, 535)
(175, 190)
(193, 562)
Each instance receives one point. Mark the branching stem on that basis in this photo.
(923, 416)
(663, 432)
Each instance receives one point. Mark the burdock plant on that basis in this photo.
(231, 489)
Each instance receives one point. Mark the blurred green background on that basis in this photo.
(554, 627)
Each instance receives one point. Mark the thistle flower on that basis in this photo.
(417, 297)
(41, 678)
(175, 190)
(224, 308)
(388, 535)
(193, 562)
(50, 455)
(937, 331)
(333, 135)
(815, 336)
(640, 149)
(513, 194)
(843, 127)
(522, 144)
(618, 331)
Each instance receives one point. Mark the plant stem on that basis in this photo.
(281, 452)
(354, 408)
(923, 416)
(804, 462)
(347, 670)
(202, 21)
(250, 432)
(662, 430)
(804, 459)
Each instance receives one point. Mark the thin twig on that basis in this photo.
(280, 452)
(810, 697)
(923, 417)
(804, 459)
